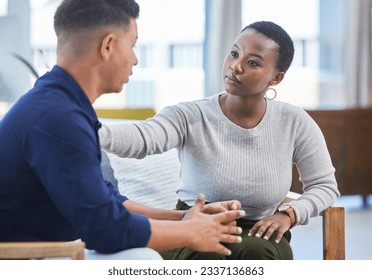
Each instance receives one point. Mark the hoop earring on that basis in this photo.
(275, 93)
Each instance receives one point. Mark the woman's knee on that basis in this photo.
(190, 254)
(253, 248)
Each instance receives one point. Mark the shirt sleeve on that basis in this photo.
(316, 171)
(65, 155)
(158, 134)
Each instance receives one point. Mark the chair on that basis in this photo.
(333, 230)
(41, 250)
(127, 113)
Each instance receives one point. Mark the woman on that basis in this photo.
(241, 145)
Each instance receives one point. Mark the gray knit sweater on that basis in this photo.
(225, 161)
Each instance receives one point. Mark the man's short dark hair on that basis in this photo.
(280, 37)
(74, 16)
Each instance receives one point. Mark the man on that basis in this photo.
(51, 184)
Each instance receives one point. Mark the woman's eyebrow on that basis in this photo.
(236, 46)
(251, 54)
(257, 55)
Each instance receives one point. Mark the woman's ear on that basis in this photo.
(107, 46)
(277, 78)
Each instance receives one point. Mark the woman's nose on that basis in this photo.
(236, 67)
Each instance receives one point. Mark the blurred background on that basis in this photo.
(182, 44)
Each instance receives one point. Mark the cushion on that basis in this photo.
(151, 181)
(107, 171)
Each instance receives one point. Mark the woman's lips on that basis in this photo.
(233, 78)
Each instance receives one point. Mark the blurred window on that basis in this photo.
(3, 7)
(317, 27)
(170, 54)
(169, 51)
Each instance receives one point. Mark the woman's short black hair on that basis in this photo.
(74, 16)
(280, 37)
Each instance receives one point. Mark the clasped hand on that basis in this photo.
(215, 229)
(221, 206)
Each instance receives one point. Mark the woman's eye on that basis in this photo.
(234, 54)
(252, 63)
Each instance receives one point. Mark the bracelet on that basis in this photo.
(184, 214)
(289, 211)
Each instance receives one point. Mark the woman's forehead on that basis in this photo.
(255, 39)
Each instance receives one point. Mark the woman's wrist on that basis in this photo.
(289, 211)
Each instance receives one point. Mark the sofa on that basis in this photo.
(151, 181)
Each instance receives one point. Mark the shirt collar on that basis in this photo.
(74, 90)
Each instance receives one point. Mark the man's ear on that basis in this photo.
(107, 46)
(277, 78)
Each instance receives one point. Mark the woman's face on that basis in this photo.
(250, 67)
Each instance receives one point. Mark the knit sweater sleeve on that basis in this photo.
(317, 174)
(155, 135)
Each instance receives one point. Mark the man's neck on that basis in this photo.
(84, 74)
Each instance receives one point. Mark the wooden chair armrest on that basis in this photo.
(333, 230)
(39, 250)
(334, 233)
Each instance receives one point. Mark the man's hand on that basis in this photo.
(199, 231)
(221, 206)
(279, 222)
(209, 231)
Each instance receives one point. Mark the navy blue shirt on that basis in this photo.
(51, 183)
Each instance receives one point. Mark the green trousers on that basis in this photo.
(251, 248)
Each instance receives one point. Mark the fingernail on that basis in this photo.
(249, 234)
(277, 241)
(265, 237)
(257, 235)
(228, 253)
(242, 213)
(239, 239)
